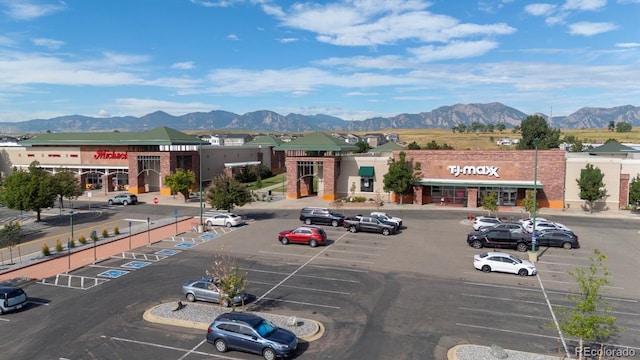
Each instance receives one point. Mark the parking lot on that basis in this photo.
(396, 297)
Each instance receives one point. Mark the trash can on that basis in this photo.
(269, 192)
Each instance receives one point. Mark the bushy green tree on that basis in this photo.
(363, 147)
(181, 182)
(413, 146)
(225, 192)
(612, 125)
(591, 185)
(252, 173)
(32, 189)
(527, 202)
(500, 127)
(590, 316)
(534, 129)
(67, 185)
(11, 235)
(401, 176)
(623, 127)
(634, 190)
(490, 202)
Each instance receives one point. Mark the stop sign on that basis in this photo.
(155, 200)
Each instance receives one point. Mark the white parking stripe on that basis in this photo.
(550, 292)
(505, 299)
(364, 246)
(555, 320)
(169, 347)
(348, 260)
(301, 303)
(341, 269)
(507, 331)
(282, 253)
(303, 288)
(355, 252)
(300, 275)
(502, 313)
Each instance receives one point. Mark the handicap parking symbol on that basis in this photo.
(135, 264)
(112, 274)
(167, 252)
(185, 245)
(209, 236)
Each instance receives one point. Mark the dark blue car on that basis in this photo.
(251, 333)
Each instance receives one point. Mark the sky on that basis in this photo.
(353, 59)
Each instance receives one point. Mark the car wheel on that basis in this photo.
(209, 223)
(334, 223)
(486, 268)
(125, 203)
(269, 354)
(386, 232)
(523, 272)
(567, 246)
(191, 297)
(353, 229)
(522, 247)
(110, 202)
(220, 345)
(228, 224)
(284, 241)
(313, 243)
(226, 303)
(307, 221)
(477, 244)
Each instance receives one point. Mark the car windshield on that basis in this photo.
(265, 328)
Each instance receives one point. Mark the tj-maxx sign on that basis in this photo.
(457, 170)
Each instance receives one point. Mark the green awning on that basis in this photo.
(366, 171)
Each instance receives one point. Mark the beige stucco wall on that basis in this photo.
(214, 158)
(611, 167)
(349, 167)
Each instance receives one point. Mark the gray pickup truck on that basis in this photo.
(369, 224)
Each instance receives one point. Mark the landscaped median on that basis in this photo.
(200, 316)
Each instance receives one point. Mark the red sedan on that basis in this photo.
(311, 235)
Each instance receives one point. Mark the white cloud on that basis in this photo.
(360, 93)
(186, 65)
(540, 9)
(628, 45)
(103, 114)
(590, 28)
(454, 50)
(584, 5)
(288, 40)
(6, 41)
(27, 10)
(387, 62)
(48, 43)
(233, 37)
(221, 3)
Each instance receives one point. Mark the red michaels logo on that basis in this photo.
(110, 155)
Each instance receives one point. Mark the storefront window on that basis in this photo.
(447, 195)
(366, 184)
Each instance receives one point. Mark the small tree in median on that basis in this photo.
(226, 192)
(10, 236)
(181, 182)
(227, 276)
(590, 316)
(591, 185)
(401, 176)
(527, 202)
(490, 202)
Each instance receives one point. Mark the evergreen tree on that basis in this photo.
(401, 176)
(225, 192)
(634, 190)
(591, 185)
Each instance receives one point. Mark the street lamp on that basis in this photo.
(200, 226)
(129, 235)
(148, 230)
(71, 239)
(535, 202)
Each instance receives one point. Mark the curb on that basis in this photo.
(148, 316)
(452, 353)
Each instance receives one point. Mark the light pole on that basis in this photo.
(129, 235)
(534, 239)
(200, 226)
(71, 239)
(175, 213)
(148, 231)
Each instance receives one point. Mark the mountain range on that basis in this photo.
(444, 117)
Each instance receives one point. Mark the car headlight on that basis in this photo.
(282, 346)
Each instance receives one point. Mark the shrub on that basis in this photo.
(116, 230)
(45, 249)
(58, 245)
(359, 199)
(105, 233)
(82, 239)
(72, 244)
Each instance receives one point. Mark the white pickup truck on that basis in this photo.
(387, 218)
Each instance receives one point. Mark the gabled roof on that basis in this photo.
(158, 136)
(264, 140)
(612, 148)
(387, 147)
(317, 141)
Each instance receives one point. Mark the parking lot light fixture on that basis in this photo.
(534, 257)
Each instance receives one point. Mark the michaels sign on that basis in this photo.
(457, 170)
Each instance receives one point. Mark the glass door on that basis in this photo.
(508, 197)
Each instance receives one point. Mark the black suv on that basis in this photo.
(317, 215)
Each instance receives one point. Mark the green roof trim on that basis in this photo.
(387, 147)
(366, 171)
(317, 141)
(158, 136)
(612, 147)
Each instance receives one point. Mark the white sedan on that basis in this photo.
(503, 262)
(227, 219)
(540, 226)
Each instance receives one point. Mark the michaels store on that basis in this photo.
(463, 178)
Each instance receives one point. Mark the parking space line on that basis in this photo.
(553, 315)
(341, 269)
(562, 264)
(281, 254)
(300, 275)
(167, 347)
(502, 313)
(349, 260)
(566, 257)
(504, 299)
(6, 320)
(550, 292)
(301, 303)
(365, 246)
(507, 331)
(303, 288)
(354, 252)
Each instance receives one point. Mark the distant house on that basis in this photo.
(393, 137)
(375, 139)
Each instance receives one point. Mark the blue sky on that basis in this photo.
(353, 59)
